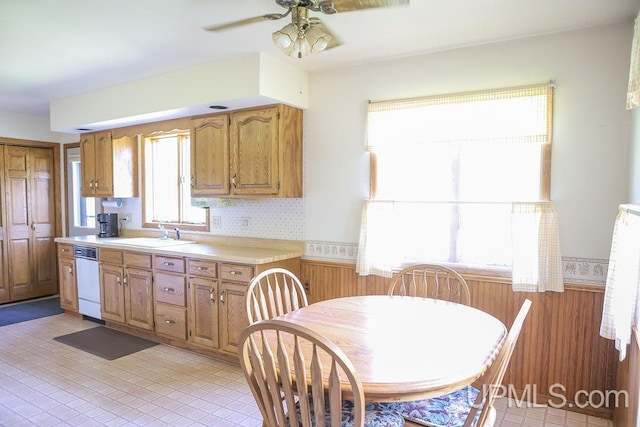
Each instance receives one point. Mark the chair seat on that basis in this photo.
(449, 410)
(376, 415)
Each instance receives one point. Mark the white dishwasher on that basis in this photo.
(88, 280)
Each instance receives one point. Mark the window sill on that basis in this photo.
(479, 272)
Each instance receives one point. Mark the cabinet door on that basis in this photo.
(88, 163)
(254, 152)
(112, 293)
(103, 183)
(68, 286)
(203, 312)
(233, 315)
(139, 301)
(210, 156)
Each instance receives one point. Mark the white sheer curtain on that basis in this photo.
(537, 263)
(620, 311)
(633, 90)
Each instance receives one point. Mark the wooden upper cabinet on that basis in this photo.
(262, 158)
(210, 156)
(109, 166)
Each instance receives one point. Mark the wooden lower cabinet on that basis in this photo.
(198, 304)
(203, 312)
(67, 278)
(126, 293)
(233, 315)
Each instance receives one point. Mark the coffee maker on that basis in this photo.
(107, 224)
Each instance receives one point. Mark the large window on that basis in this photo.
(167, 183)
(446, 170)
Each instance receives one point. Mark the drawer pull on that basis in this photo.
(168, 263)
(234, 272)
(64, 250)
(169, 321)
(202, 268)
(169, 290)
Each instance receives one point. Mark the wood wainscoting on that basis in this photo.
(560, 353)
(628, 379)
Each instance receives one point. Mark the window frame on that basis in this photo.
(206, 226)
(544, 185)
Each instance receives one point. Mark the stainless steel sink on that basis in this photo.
(151, 242)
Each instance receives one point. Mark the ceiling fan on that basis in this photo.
(305, 34)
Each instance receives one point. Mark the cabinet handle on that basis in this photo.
(192, 179)
(233, 181)
(169, 321)
(118, 280)
(96, 184)
(71, 271)
(64, 250)
(222, 297)
(235, 272)
(212, 295)
(169, 289)
(91, 184)
(125, 282)
(202, 268)
(33, 225)
(168, 263)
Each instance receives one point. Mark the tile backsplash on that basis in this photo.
(260, 218)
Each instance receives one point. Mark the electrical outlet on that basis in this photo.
(126, 217)
(227, 203)
(245, 223)
(216, 222)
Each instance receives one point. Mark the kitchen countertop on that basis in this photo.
(233, 249)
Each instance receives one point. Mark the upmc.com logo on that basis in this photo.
(528, 398)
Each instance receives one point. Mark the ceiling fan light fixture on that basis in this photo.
(317, 39)
(285, 37)
(300, 43)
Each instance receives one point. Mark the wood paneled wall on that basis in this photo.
(559, 344)
(628, 378)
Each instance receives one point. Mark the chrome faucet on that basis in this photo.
(177, 233)
(165, 233)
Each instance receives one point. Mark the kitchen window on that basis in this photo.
(446, 171)
(167, 184)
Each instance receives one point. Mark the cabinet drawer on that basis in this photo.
(171, 321)
(111, 256)
(136, 259)
(170, 289)
(236, 272)
(197, 267)
(167, 263)
(65, 250)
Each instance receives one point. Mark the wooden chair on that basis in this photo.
(431, 281)
(292, 391)
(274, 292)
(469, 406)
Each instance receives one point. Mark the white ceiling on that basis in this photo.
(53, 49)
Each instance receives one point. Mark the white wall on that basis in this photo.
(32, 127)
(591, 146)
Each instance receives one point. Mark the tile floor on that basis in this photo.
(46, 383)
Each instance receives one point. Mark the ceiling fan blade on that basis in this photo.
(340, 6)
(229, 25)
(333, 39)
